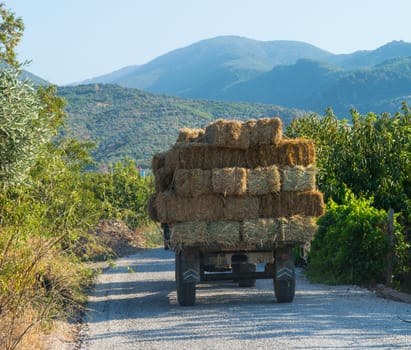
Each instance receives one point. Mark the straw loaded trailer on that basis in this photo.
(233, 197)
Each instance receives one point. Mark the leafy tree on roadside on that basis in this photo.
(123, 192)
(368, 157)
(371, 155)
(11, 31)
(28, 117)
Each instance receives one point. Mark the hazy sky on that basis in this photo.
(72, 40)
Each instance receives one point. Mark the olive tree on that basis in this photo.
(28, 115)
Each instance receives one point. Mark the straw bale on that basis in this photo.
(263, 180)
(158, 162)
(190, 135)
(151, 208)
(228, 133)
(270, 205)
(188, 233)
(259, 232)
(286, 204)
(238, 208)
(296, 152)
(298, 178)
(172, 208)
(204, 156)
(266, 131)
(262, 156)
(229, 181)
(186, 156)
(194, 155)
(163, 180)
(164, 200)
(192, 182)
(298, 228)
(224, 232)
(229, 157)
(291, 152)
(308, 203)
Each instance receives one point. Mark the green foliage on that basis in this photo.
(153, 235)
(11, 31)
(371, 155)
(26, 122)
(41, 223)
(58, 183)
(123, 193)
(46, 208)
(351, 245)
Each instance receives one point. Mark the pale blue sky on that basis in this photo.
(72, 40)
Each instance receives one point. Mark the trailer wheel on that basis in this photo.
(284, 290)
(284, 279)
(186, 292)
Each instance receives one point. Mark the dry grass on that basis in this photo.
(226, 233)
(238, 208)
(266, 131)
(203, 156)
(263, 232)
(259, 232)
(263, 180)
(229, 181)
(158, 162)
(298, 178)
(287, 204)
(152, 208)
(192, 182)
(295, 152)
(309, 203)
(228, 134)
(298, 228)
(188, 233)
(163, 180)
(173, 209)
(190, 135)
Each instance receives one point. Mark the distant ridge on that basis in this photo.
(289, 73)
(110, 77)
(206, 68)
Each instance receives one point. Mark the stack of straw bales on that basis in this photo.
(236, 184)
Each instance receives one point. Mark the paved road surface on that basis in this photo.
(139, 310)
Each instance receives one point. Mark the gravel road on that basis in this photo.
(134, 306)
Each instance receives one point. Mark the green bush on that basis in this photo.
(370, 154)
(352, 244)
(123, 192)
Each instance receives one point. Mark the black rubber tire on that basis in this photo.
(284, 290)
(186, 292)
(246, 267)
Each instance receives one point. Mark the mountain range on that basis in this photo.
(288, 73)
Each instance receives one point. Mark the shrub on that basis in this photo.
(352, 244)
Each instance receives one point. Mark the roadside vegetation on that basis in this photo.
(364, 171)
(50, 203)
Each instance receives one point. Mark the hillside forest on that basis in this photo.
(288, 73)
(55, 190)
